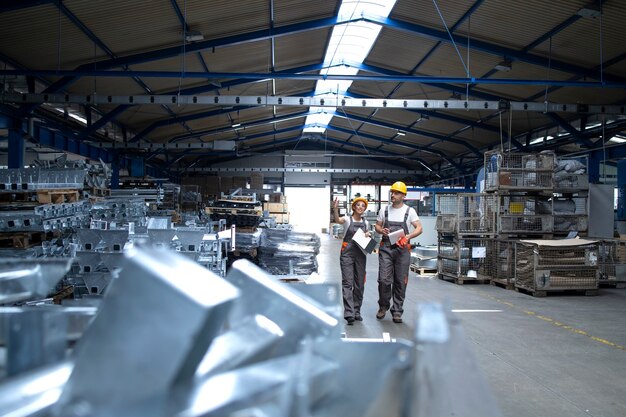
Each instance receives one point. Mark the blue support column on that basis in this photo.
(16, 149)
(115, 172)
(621, 190)
(594, 167)
(137, 167)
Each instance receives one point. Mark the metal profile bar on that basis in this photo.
(243, 101)
(314, 170)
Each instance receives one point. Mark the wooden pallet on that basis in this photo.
(245, 253)
(544, 293)
(463, 280)
(97, 192)
(612, 284)
(502, 283)
(15, 197)
(23, 240)
(422, 271)
(57, 196)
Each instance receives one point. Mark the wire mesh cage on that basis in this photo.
(447, 208)
(519, 171)
(462, 259)
(524, 214)
(555, 265)
(612, 261)
(500, 266)
(476, 214)
(570, 213)
(571, 174)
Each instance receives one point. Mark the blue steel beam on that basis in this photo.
(12, 5)
(401, 144)
(170, 52)
(266, 76)
(432, 50)
(576, 135)
(244, 126)
(92, 36)
(487, 47)
(431, 135)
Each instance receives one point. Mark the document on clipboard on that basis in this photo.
(395, 236)
(367, 244)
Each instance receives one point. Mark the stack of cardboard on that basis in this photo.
(280, 211)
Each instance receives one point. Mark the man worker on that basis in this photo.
(394, 259)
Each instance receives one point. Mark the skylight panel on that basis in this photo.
(347, 49)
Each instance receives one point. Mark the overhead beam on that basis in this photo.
(245, 101)
(619, 84)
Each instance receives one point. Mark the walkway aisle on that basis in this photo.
(554, 356)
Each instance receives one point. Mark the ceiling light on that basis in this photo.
(401, 133)
(236, 125)
(591, 10)
(505, 65)
(194, 35)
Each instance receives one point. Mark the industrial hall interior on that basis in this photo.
(298, 208)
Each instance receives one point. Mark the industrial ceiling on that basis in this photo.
(159, 73)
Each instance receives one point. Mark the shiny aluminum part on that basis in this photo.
(88, 239)
(96, 282)
(267, 383)
(35, 337)
(445, 366)
(114, 261)
(34, 393)
(295, 313)
(382, 386)
(159, 223)
(88, 261)
(161, 238)
(190, 239)
(253, 340)
(114, 240)
(20, 221)
(159, 337)
(24, 279)
(32, 179)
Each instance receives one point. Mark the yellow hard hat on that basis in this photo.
(356, 200)
(399, 186)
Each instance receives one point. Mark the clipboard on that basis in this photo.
(366, 244)
(395, 236)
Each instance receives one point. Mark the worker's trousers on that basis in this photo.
(393, 275)
(352, 261)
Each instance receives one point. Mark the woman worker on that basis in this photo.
(352, 259)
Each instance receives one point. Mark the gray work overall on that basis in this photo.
(352, 262)
(393, 269)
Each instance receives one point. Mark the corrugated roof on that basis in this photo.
(44, 37)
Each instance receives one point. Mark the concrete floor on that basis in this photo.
(561, 355)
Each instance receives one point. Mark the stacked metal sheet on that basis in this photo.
(286, 252)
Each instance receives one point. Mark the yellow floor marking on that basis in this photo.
(558, 324)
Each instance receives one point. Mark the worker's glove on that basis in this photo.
(402, 242)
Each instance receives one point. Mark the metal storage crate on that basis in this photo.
(467, 214)
(462, 259)
(571, 174)
(612, 262)
(556, 265)
(524, 214)
(519, 171)
(571, 213)
(476, 214)
(447, 208)
(501, 261)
